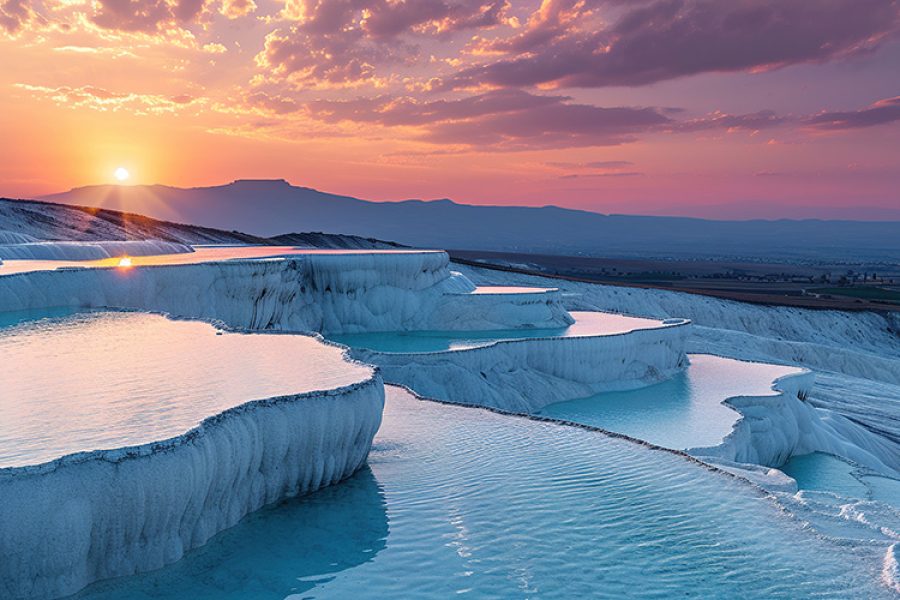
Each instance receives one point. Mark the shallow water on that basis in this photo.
(684, 412)
(845, 502)
(509, 289)
(462, 501)
(103, 380)
(586, 324)
(15, 317)
(826, 473)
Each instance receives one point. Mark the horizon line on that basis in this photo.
(891, 215)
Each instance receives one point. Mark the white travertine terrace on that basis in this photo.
(120, 511)
(349, 291)
(104, 513)
(597, 353)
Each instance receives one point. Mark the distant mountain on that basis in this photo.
(30, 220)
(272, 207)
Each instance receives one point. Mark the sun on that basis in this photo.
(121, 174)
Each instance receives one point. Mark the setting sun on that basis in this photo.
(121, 174)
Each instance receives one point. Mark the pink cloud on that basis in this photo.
(133, 15)
(273, 103)
(601, 175)
(15, 15)
(601, 165)
(234, 9)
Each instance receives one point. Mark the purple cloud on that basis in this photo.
(880, 113)
(666, 39)
(503, 119)
(304, 53)
(345, 41)
(390, 19)
(516, 120)
(14, 15)
(146, 16)
(764, 119)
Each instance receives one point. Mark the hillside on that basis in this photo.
(29, 220)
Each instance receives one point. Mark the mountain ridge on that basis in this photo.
(268, 208)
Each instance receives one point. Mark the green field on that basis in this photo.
(865, 293)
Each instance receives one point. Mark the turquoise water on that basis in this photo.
(826, 473)
(79, 381)
(436, 341)
(684, 412)
(17, 317)
(586, 324)
(464, 502)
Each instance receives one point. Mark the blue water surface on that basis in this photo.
(687, 411)
(464, 502)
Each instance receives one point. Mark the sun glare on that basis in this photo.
(121, 174)
(125, 262)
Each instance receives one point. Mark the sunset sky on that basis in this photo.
(730, 108)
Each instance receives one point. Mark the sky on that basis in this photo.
(724, 109)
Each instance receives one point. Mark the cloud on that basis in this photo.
(343, 57)
(164, 20)
(515, 120)
(764, 119)
(347, 42)
(567, 45)
(273, 103)
(145, 16)
(502, 120)
(601, 165)
(97, 50)
(880, 113)
(598, 175)
(15, 15)
(234, 9)
(101, 99)
(214, 48)
(390, 19)
(552, 21)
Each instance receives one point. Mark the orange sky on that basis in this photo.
(646, 107)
